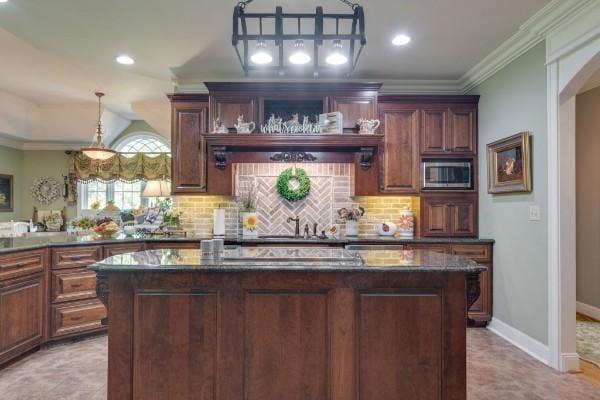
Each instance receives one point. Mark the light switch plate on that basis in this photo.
(534, 213)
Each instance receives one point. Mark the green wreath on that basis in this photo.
(283, 185)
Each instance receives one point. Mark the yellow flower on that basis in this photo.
(95, 205)
(250, 222)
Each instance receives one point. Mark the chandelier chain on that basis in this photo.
(350, 4)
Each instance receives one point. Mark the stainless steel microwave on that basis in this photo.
(447, 174)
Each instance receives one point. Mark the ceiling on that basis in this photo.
(60, 51)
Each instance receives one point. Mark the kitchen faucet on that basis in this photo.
(297, 228)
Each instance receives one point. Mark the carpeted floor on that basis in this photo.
(588, 341)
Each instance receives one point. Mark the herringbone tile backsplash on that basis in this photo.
(331, 189)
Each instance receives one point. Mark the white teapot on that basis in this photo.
(244, 127)
(368, 125)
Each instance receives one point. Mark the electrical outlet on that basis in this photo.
(535, 213)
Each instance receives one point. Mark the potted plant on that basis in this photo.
(249, 215)
(351, 216)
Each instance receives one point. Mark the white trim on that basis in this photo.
(56, 146)
(10, 142)
(588, 310)
(554, 324)
(567, 67)
(532, 32)
(529, 345)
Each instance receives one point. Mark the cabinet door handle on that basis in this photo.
(20, 265)
(76, 285)
(76, 258)
(75, 318)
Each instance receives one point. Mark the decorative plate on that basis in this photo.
(45, 190)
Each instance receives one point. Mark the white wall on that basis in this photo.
(514, 100)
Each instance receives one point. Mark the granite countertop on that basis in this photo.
(238, 259)
(8, 245)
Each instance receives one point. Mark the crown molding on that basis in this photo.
(421, 87)
(55, 146)
(533, 31)
(23, 144)
(12, 142)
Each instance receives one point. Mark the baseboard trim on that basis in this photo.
(529, 345)
(569, 362)
(590, 311)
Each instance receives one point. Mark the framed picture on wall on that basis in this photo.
(6, 193)
(509, 164)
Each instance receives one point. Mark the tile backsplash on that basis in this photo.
(331, 189)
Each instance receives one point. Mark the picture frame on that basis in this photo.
(509, 164)
(6, 193)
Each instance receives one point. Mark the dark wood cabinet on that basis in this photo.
(189, 122)
(228, 107)
(449, 215)
(480, 313)
(400, 167)
(462, 129)
(353, 108)
(74, 308)
(116, 249)
(22, 302)
(449, 129)
(434, 130)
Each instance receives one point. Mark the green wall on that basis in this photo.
(26, 166)
(514, 100)
(11, 163)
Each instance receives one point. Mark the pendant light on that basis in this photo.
(261, 56)
(337, 57)
(97, 150)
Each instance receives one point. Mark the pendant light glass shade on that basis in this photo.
(337, 57)
(261, 56)
(299, 56)
(98, 150)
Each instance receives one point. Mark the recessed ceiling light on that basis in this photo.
(401, 40)
(3, 1)
(124, 59)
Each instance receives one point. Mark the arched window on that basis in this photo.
(125, 195)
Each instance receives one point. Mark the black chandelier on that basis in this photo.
(256, 55)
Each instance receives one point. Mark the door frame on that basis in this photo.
(572, 56)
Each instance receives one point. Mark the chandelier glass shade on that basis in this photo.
(337, 38)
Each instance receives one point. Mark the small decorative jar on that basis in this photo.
(406, 224)
(249, 224)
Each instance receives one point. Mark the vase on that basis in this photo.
(249, 224)
(351, 228)
(406, 224)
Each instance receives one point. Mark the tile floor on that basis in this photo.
(77, 370)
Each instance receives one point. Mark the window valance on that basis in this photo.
(126, 168)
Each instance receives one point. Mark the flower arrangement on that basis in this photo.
(95, 205)
(164, 205)
(173, 217)
(84, 223)
(351, 214)
(248, 199)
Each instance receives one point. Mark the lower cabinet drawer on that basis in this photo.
(71, 285)
(77, 317)
(476, 252)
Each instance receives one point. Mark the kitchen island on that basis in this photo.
(287, 323)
